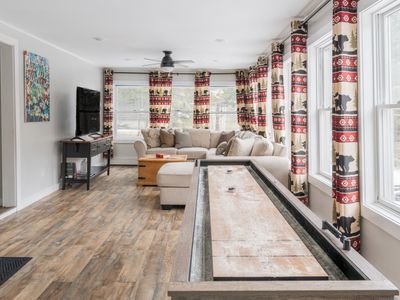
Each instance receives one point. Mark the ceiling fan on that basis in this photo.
(167, 64)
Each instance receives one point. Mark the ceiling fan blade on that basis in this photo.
(151, 59)
(181, 65)
(187, 61)
(148, 65)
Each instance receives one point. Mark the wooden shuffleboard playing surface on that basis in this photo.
(250, 238)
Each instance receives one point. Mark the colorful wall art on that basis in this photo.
(37, 88)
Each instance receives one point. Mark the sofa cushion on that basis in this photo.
(183, 139)
(152, 137)
(241, 147)
(226, 136)
(246, 134)
(221, 148)
(228, 147)
(167, 138)
(177, 174)
(262, 147)
(200, 137)
(170, 151)
(214, 138)
(194, 152)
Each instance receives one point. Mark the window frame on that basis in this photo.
(317, 105)
(116, 111)
(374, 82)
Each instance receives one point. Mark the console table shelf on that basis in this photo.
(79, 148)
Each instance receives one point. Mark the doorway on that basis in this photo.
(9, 126)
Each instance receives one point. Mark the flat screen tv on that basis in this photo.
(87, 111)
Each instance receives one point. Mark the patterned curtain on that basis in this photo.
(160, 89)
(251, 96)
(298, 173)
(201, 110)
(345, 188)
(278, 93)
(262, 81)
(108, 102)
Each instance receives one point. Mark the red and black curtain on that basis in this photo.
(251, 90)
(262, 81)
(345, 176)
(278, 93)
(108, 102)
(201, 110)
(160, 89)
(298, 173)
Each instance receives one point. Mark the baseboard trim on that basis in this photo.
(8, 213)
(38, 196)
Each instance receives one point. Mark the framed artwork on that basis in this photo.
(37, 88)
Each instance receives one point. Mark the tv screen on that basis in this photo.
(87, 111)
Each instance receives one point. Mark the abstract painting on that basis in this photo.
(37, 88)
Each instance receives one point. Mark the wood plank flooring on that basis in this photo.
(112, 242)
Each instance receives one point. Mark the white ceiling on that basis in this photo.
(134, 29)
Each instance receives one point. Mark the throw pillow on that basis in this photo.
(280, 150)
(241, 147)
(200, 137)
(228, 147)
(226, 136)
(167, 138)
(214, 138)
(183, 139)
(151, 137)
(221, 148)
(262, 147)
(246, 134)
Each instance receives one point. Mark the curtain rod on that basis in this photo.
(189, 73)
(310, 16)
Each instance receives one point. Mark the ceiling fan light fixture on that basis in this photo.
(167, 69)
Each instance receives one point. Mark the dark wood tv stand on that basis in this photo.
(85, 148)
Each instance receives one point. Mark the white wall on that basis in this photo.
(40, 148)
(378, 247)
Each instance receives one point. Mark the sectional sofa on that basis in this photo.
(204, 144)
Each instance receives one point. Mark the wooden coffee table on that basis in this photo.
(149, 166)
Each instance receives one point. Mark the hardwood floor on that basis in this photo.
(112, 242)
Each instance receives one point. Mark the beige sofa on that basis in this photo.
(204, 145)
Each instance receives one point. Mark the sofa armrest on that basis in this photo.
(140, 148)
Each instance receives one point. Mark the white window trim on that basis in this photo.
(322, 182)
(372, 86)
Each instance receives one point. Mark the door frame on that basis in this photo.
(11, 133)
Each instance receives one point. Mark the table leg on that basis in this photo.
(88, 173)
(108, 161)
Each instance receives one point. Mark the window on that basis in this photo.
(223, 115)
(379, 109)
(182, 107)
(388, 112)
(320, 112)
(131, 110)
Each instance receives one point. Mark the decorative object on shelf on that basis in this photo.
(345, 181)
(278, 93)
(160, 89)
(36, 88)
(201, 110)
(298, 173)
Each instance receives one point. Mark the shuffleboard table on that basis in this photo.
(245, 236)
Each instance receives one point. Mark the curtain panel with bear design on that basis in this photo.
(201, 109)
(298, 172)
(108, 102)
(278, 92)
(251, 97)
(345, 175)
(160, 89)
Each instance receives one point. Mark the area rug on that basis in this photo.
(10, 265)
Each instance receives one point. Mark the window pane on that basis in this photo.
(395, 55)
(327, 74)
(223, 114)
(396, 154)
(287, 78)
(325, 142)
(131, 110)
(128, 124)
(182, 107)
